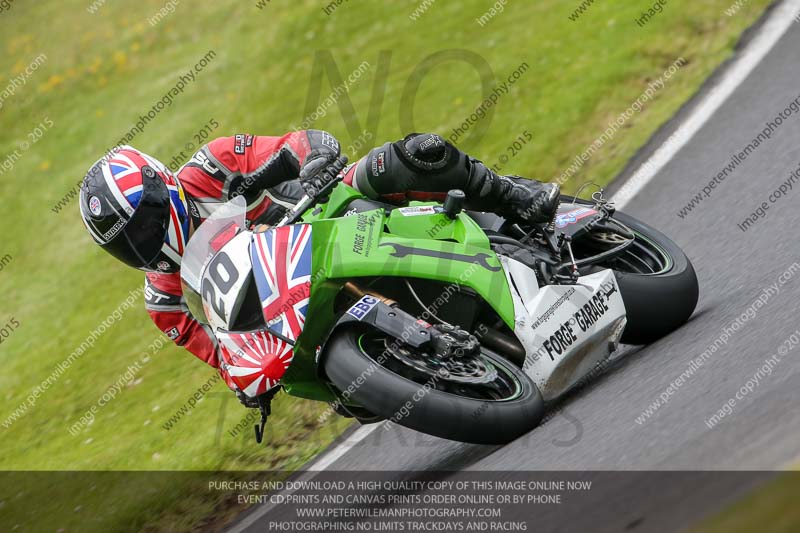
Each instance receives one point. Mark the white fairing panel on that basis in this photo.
(566, 329)
(223, 279)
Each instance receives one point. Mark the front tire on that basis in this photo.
(351, 363)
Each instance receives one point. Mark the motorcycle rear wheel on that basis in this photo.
(657, 282)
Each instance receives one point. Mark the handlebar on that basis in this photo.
(331, 176)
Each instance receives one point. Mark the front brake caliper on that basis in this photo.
(449, 341)
(443, 340)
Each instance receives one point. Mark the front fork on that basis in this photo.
(384, 314)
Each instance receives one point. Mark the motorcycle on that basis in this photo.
(458, 324)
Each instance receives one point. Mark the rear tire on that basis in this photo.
(435, 412)
(656, 303)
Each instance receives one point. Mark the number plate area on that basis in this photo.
(223, 280)
(566, 330)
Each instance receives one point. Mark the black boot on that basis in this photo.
(515, 198)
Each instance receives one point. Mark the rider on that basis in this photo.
(142, 214)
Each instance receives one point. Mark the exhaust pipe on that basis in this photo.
(502, 343)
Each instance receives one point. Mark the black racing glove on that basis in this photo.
(324, 151)
(318, 173)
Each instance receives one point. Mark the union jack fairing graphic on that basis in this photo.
(254, 361)
(281, 260)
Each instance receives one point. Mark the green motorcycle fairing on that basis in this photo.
(418, 241)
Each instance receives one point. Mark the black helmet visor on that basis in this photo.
(139, 240)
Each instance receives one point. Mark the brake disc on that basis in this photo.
(469, 369)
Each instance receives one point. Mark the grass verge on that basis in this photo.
(772, 508)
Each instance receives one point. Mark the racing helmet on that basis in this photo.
(136, 210)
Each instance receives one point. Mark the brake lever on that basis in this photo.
(259, 428)
(264, 406)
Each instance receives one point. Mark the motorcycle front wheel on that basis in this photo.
(480, 399)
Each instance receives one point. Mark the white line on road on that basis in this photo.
(332, 456)
(769, 34)
(309, 473)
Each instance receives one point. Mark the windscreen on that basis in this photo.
(207, 240)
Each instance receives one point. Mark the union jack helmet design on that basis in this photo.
(135, 209)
